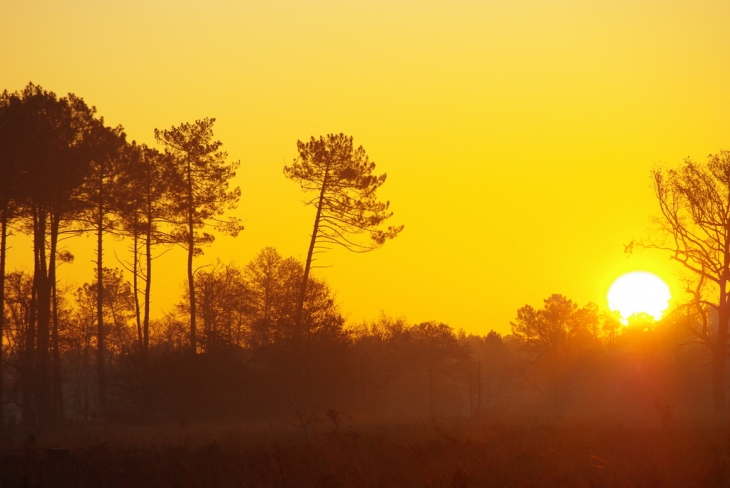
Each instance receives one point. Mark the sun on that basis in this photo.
(639, 291)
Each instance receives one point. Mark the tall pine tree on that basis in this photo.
(200, 193)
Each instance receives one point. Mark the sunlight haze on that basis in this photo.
(517, 136)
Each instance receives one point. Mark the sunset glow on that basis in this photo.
(480, 113)
(421, 240)
(639, 292)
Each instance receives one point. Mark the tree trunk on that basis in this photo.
(135, 285)
(3, 247)
(191, 291)
(28, 367)
(57, 383)
(57, 378)
(43, 377)
(718, 380)
(191, 249)
(719, 355)
(148, 285)
(100, 345)
(310, 253)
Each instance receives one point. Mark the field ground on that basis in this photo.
(504, 452)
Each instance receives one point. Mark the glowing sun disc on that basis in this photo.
(637, 292)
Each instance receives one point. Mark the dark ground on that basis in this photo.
(513, 452)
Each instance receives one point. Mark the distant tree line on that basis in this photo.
(267, 338)
(65, 172)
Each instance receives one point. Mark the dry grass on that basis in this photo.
(438, 453)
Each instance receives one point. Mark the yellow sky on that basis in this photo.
(517, 135)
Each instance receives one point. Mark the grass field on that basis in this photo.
(435, 453)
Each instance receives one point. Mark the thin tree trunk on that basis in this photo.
(28, 370)
(29, 366)
(100, 343)
(310, 253)
(719, 355)
(3, 248)
(57, 383)
(43, 376)
(191, 249)
(149, 216)
(135, 286)
(57, 378)
(718, 380)
(148, 285)
(191, 291)
(87, 347)
(719, 352)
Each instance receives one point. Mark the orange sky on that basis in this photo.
(517, 135)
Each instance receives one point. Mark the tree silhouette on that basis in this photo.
(45, 148)
(118, 309)
(347, 207)
(54, 142)
(559, 325)
(694, 225)
(274, 283)
(144, 207)
(130, 213)
(223, 306)
(101, 195)
(200, 192)
(8, 203)
(560, 340)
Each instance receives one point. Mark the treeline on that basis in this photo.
(255, 364)
(265, 338)
(65, 172)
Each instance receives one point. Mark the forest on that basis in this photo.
(265, 342)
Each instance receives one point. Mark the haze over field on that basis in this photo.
(189, 192)
(517, 135)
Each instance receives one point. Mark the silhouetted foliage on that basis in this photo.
(145, 198)
(557, 328)
(55, 141)
(246, 319)
(342, 178)
(102, 199)
(9, 169)
(274, 286)
(200, 193)
(271, 342)
(694, 203)
(223, 307)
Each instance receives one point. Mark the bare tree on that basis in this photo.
(345, 198)
(694, 223)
